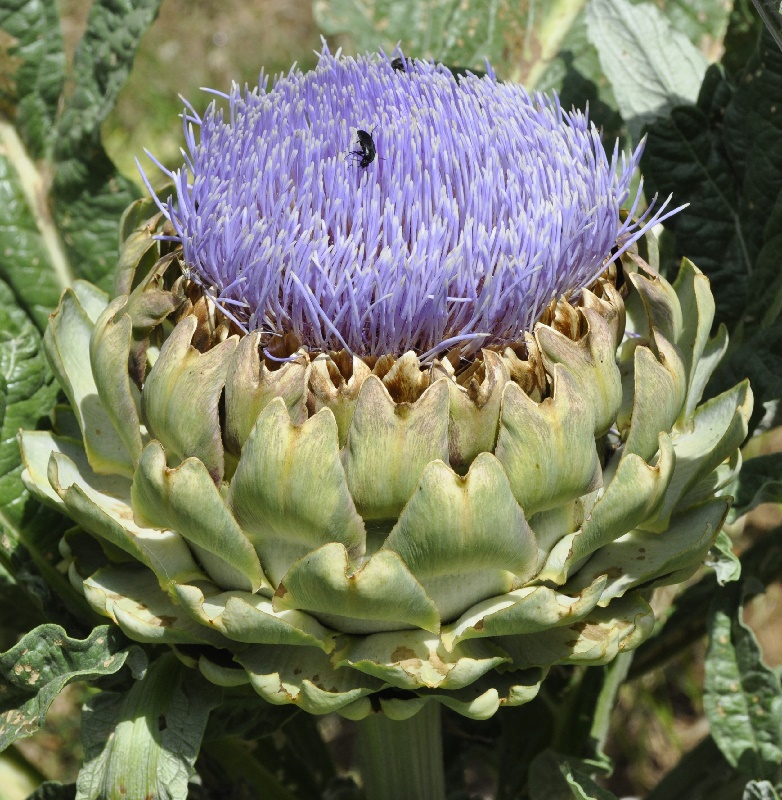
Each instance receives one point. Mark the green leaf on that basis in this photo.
(685, 156)
(582, 786)
(724, 156)
(101, 66)
(759, 790)
(742, 696)
(723, 560)
(703, 21)
(576, 74)
(772, 18)
(30, 531)
(35, 670)
(88, 194)
(552, 777)
(144, 743)
(752, 136)
(651, 66)
(36, 269)
(760, 481)
(33, 63)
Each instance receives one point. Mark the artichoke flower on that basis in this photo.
(391, 404)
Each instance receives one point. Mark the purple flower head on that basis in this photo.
(481, 204)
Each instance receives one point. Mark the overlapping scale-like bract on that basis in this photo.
(347, 528)
(391, 431)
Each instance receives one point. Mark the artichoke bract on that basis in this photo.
(370, 435)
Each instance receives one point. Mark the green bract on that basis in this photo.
(333, 530)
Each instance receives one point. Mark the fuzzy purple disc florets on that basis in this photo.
(480, 206)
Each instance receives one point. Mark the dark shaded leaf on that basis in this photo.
(741, 38)
(685, 156)
(51, 790)
(229, 769)
(35, 670)
(757, 356)
(742, 696)
(752, 138)
(244, 717)
(724, 157)
(701, 774)
(772, 18)
(760, 481)
(519, 743)
(32, 64)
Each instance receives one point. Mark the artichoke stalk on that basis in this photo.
(374, 436)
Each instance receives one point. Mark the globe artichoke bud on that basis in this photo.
(391, 405)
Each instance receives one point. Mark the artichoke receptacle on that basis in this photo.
(388, 433)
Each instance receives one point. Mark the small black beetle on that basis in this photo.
(366, 152)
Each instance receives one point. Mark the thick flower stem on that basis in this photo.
(402, 759)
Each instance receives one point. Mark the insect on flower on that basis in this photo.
(366, 153)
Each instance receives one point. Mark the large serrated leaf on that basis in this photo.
(101, 65)
(88, 194)
(30, 532)
(651, 66)
(35, 670)
(685, 155)
(144, 743)
(752, 137)
(742, 696)
(32, 62)
(32, 261)
(724, 157)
